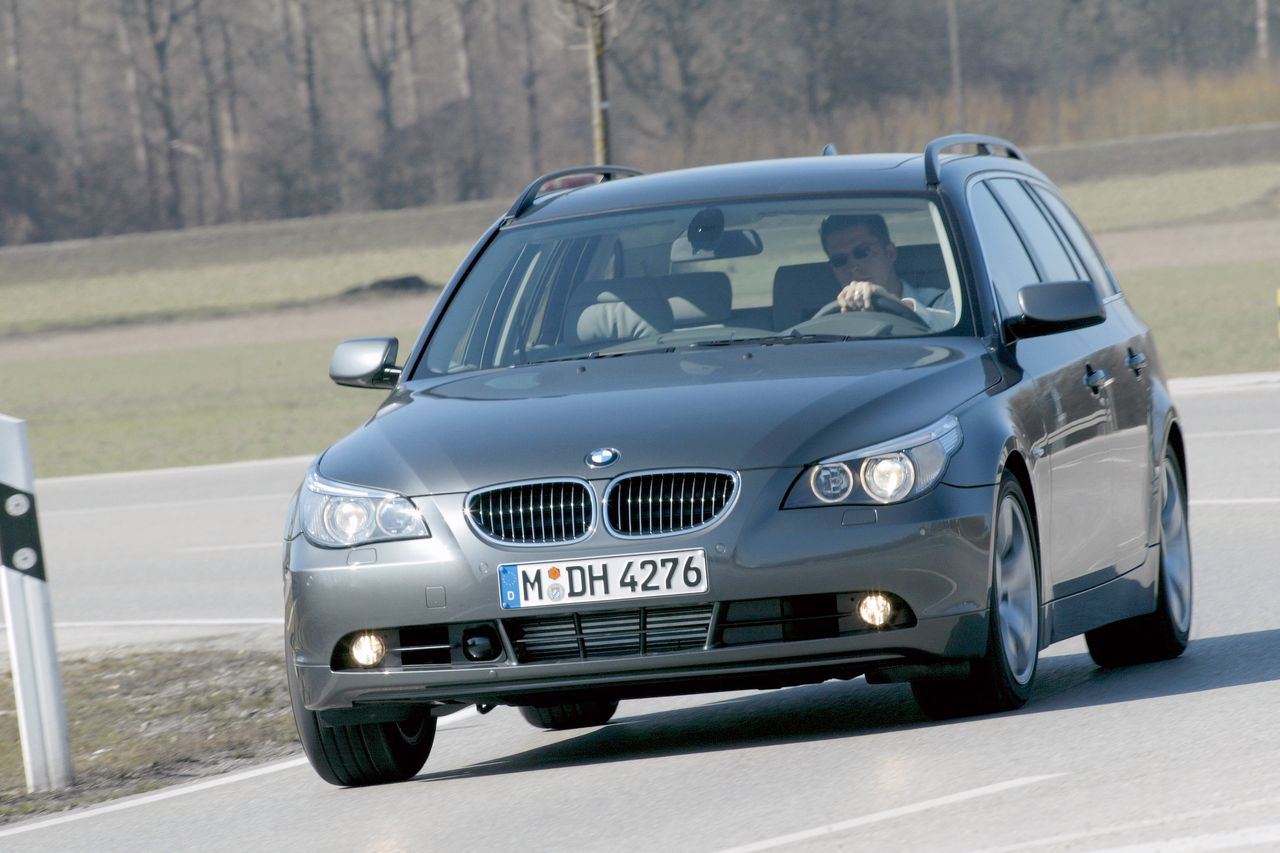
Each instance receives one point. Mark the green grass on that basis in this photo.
(184, 407)
(1210, 320)
(1148, 200)
(213, 289)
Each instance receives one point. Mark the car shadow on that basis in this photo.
(843, 709)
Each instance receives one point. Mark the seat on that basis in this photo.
(799, 290)
(698, 298)
(922, 265)
(617, 310)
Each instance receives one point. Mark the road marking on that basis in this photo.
(1116, 829)
(889, 814)
(197, 549)
(185, 469)
(280, 497)
(193, 788)
(163, 623)
(1251, 837)
(1234, 433)
(1233, 501)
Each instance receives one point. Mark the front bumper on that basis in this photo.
(932, 553)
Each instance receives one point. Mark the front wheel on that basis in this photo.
(1162, 634)
(1001, 679)
(575, 715)
(365, 753)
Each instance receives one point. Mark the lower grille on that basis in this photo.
(615, 633)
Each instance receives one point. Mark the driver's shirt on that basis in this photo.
(936, 307)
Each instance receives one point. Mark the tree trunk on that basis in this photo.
(380, 43)
(213, 106)
(231, 124)
(530, 83)
(13, 58)
(137, 122)
(598, 38)
(160, 23)
(78, 144)
(1262, 34)
(410, 64)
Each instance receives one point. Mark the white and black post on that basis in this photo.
(28, 617)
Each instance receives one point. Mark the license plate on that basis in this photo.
(602, 579)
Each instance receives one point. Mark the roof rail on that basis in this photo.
(829, 150)
(607, 173)
(933, 151)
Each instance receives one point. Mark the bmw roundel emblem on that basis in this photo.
(603, 457)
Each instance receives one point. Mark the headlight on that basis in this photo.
(336, 515)
(889, 472)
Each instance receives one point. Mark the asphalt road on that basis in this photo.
(1183, 755)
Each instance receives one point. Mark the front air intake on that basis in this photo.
(660, 503)
(544, 512)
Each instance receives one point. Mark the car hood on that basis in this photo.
(735, 407)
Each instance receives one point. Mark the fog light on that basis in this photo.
(875, 609)
(368, 649)
(480, 644)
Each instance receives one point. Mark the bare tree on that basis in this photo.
(529, 81)
(14, 58)
(1261, 32)
(591, 17)
(381, 45)
(137, 119)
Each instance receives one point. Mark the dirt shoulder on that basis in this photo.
(145, 720)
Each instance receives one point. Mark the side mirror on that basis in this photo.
(1056, 306)
(365, 363)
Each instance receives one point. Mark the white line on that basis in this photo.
(197, 549)
(1234, 433)
(1251, 837)
(1233, 501)
(1191, 385)
(890, 814)
(147, 799)
(195, 787)
(186, 469)
(1116, 829)
(280, 497)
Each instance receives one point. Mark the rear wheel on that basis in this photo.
(1001, 679)
(1162, 634)
(362, 754)
(575, 715)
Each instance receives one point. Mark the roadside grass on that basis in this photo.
(1149, 200)
(232, 287)
(150, 720)
(1211, 319)
(92, 414)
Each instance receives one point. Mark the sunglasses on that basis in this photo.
(859, 253)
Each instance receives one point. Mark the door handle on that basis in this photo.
(1097, 379)
(1137, 362)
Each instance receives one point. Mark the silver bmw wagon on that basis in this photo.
(742, 426)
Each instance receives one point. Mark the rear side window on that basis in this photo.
(1054, 262)
(1008, 263)
(1098, 271)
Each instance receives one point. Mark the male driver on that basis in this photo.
(862, 259)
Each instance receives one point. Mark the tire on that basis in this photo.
(1163, 633)
(364, 754)
(1002, 678)
(577, 715)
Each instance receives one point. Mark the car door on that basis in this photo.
(1077, 528)
(1126, 341)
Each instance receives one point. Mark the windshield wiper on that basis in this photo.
(771, 340)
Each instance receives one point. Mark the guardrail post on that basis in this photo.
(28, 616)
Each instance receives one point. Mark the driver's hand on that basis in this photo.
(857, 296)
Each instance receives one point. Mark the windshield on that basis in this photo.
(757, 273)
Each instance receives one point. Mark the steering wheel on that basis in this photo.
(881, 306)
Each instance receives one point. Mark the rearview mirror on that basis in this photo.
(365, 363)
(730, 244)
(1056, 306)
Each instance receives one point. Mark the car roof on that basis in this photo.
(825, 175)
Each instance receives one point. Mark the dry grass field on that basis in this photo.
(212, 345)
